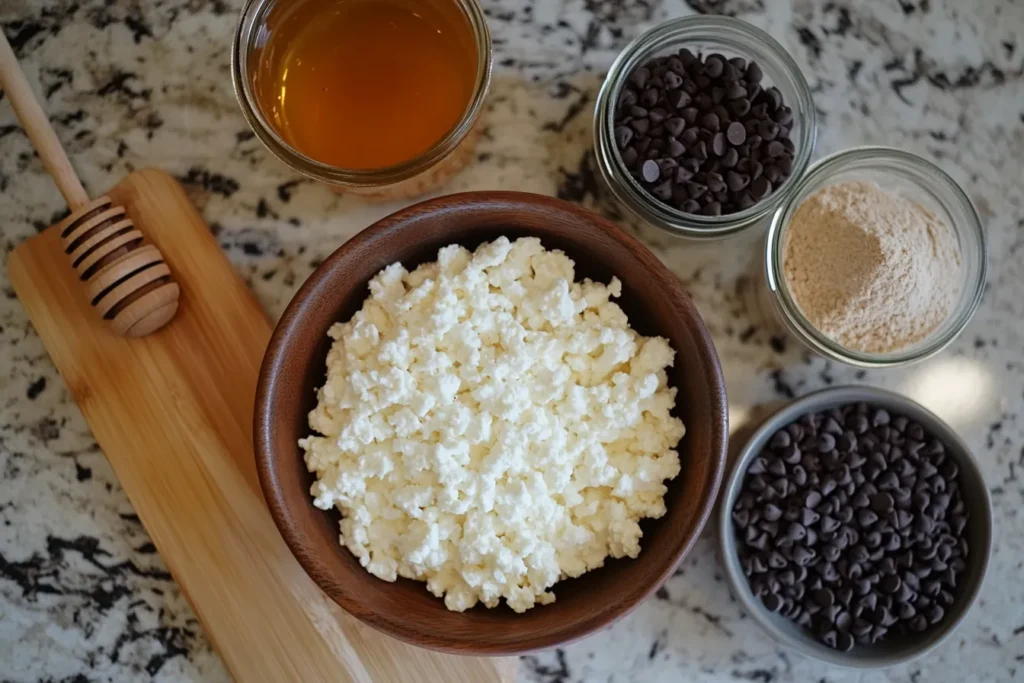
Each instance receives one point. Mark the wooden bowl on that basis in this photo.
(295, 366)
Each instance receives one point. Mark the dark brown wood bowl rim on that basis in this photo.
(263, 424)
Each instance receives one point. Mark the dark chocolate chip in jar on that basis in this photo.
(712, 115)
(864, 525)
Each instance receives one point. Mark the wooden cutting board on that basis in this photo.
(173, 414)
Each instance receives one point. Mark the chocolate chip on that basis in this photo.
(639, 77)
(672, 80)
(640, 126)
(708, 97)
(650, 171)
(714, 67)
(663, 191)
(623, 135)
(760, 188)
(768, 130)
(772, 97)
(718, 144)
(713, 208)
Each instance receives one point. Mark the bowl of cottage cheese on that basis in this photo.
(490, 423)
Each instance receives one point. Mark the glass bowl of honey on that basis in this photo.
(375, 97)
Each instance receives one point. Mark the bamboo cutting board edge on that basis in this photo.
(173, 414)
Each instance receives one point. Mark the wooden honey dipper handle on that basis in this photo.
(38, 128)
(127, 282)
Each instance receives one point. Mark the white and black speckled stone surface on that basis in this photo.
(128, 83)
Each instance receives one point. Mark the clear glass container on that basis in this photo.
(732, 38)
(913, 178)
(411, 178)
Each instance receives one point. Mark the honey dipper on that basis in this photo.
(125, 279)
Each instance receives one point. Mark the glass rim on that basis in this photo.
(625, 187)
(245, 33)
(798, 323)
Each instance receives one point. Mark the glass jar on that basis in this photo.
(732, 38)
(915, 179)
(419, 175)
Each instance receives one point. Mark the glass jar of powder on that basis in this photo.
(730, 38)
(908, 177)
(376, 97)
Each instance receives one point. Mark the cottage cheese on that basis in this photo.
(490, 426)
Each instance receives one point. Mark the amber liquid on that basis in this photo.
(365, 84)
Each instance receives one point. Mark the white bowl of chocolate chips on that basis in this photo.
(856, 527)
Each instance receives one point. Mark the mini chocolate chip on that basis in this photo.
(772, 602)
(738, 63)
(784, 117)
(675, 125)
(716, 184)
(803, 556)
(623, 135)
(935, 614)
(675, 148)
(688, 114)
(672, 80)
(888, 481)
(773, 98)
(790, 455)
(713, 208)
(826, 442)
(639, 77)
(866, 517)
(650, 172)
(667, 166)
(830, 638)
(714, 66)
(740, 108)
(761, 188)
(736, 181)
(663, 191)
(775, 149)
(630, 157)
(830, 552)
(710, 121)
(735, 133)
(736, 92)
(718, 144)
(889, 584)
(640, 126)
(768, 130)
(696, 190)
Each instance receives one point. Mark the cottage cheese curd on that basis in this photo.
(490, 426)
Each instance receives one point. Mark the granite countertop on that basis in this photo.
(83, 594)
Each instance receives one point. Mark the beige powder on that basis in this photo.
(870, 269)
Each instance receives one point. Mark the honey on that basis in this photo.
(364, 84)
